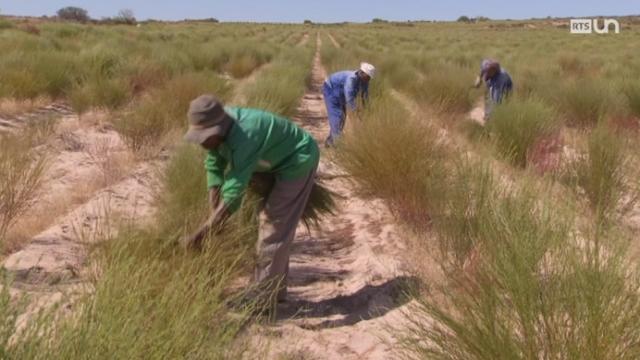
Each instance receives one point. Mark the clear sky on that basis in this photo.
(328, 10)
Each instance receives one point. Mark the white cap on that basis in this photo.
(368, 69)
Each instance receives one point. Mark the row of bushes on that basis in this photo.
(106, 67)
(151, 297)
(280, 88)
(525, 273)
(531, 270)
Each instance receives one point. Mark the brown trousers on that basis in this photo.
(278, 221)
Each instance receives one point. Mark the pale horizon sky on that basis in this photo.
(328, 10)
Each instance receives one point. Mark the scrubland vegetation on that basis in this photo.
(535, 265)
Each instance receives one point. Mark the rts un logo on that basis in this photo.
(589, 26)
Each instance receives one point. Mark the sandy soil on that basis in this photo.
(304, 40)
(347, 279)
(91, 185)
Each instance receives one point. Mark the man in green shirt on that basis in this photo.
(241, 142)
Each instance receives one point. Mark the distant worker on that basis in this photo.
(342, 89)
(239, 143)
(498, 83)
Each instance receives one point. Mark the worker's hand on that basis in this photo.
(193, 241)
(478, 82)
(214, 197)
(215, 223)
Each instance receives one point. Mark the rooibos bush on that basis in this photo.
(603, 175)
(396, 157)
(165, 108)
(585, 101)
(446, 89)
(516, 125)
(21, 172)
(632, 92)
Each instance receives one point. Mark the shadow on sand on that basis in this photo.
(367, 303)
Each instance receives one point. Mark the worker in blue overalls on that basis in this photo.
(342, 89)
(499, 84)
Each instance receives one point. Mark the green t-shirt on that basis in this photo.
(259, 141)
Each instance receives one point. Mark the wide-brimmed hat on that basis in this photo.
(206, 118)
(368, 69)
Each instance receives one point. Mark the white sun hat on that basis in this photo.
(368, 69)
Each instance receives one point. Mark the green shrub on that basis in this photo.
(395, 157)
(467, 197)
(280, 88)
(45, 72)
(446, 88)
(535, 292)
(184, 201)
(100, 61)
(632, 92)
(518, 124)
(10, 309)
(399, 75)
(242, 66)
(165, 108)
(147, 303)
(602, 173)
(103, 93)
(21, 174)
(584, 102)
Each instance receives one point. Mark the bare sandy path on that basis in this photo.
(347, 279)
